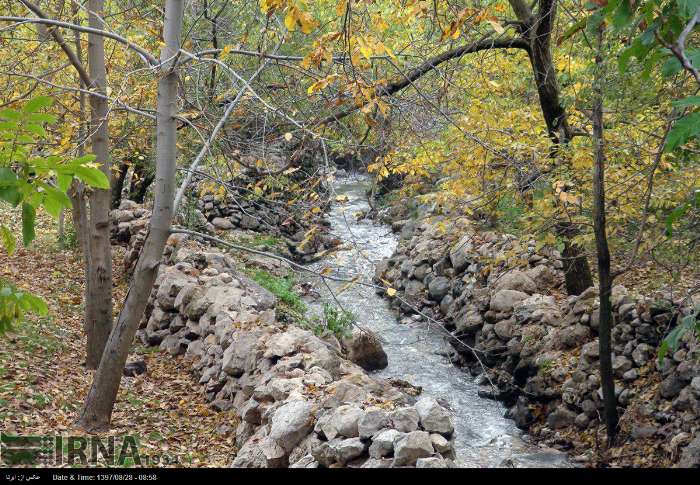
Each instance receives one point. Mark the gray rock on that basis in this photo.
(349, 449)
(364, 349)
(411, 447)
(404, 419)
(432, 462)
(643, 432)
(690, 457)
(290, 423)
(695, 386)
(504, 301)
(373, 420)
(672, 385)
(285, 343)
(438, 288)
(582, 421)
(440, 443)
(630, 375)
(561, 418)
(222, 223)
(383, 443)
(173, 345)
(377, 463)
(516, 280)
(460, 254)
(343, 422)
(621, 364)
(543, 276)
(275, 455)
(433, 417)
(306, 461)
(236, 355)
(642, 353)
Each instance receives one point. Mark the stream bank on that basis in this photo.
(502, 303)
(417, 352)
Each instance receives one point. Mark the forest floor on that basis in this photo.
(43, 380)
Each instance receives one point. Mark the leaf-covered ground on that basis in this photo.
(43, 381)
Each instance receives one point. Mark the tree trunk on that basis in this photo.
(98, 305)
(605, 278)
(118, 184)
(577, 272)
(537, 30)
(97, 411)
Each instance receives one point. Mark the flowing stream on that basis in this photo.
(416, 353)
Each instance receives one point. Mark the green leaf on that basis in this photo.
(35, 304)
(671, 67)
(682, 130)
(8, 240)
(675, 214)
(623, 15)
(687, 102)
(28, 220)
(92, 177)
(63, 181)
(35, 104)
(55, 201)
(36, 129)
(688, 7)
(41, 118)
(10, 114)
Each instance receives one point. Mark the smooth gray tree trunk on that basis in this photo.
(98, 307)
(97, 410)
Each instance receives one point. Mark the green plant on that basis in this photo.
(689, 323)
(545, 366)
(15, 303)
(282, 288)
(335, 320)
(190, 216)
(32, 181)
(69, 238)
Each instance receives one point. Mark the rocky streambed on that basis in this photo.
(418, 352)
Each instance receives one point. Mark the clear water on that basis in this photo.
(484, 438)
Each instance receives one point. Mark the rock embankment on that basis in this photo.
(300, 402)
(503, 299)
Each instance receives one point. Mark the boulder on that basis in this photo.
(404, 420)
(290, 423)
(222, 223)
(432, 462)
(349, 449)
(343, 422)
(383, 443)
(516, 280)
(560, 418)
(411, 447)
(460, 254)
(433, 417)
(504, 301)
(364, 349)
(438, 288)
(372, 421)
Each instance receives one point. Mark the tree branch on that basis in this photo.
(429, 65)
(61, 41)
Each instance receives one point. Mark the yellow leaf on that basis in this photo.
(288, 136)
(496, 26)
(290, 20)
(391, 291)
